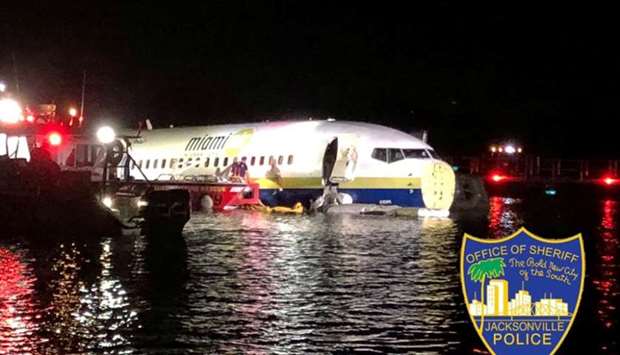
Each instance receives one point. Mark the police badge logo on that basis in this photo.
(522, 292)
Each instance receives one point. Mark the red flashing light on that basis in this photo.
(54, 138)
(497, 177)
(608, 180)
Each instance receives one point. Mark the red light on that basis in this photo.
(497, 177)
(608, 180)
(54, 138)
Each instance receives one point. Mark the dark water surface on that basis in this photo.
(252, 283)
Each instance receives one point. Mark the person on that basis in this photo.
(243, 169)
(235, 167)
(331, 196)
(46, 170)
(274, 174)
(351, 162)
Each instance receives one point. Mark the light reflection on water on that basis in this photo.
(248, 282)
(322, 283)
(504, 216)
(605, 279)
(18, 310)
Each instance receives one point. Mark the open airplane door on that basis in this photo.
(340, 159)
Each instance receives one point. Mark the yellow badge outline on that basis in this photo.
(578, 236)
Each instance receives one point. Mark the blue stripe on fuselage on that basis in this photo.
(400, 197)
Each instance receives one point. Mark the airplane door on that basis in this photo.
(340, 159)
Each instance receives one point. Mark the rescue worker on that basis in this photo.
(235, 168)
(331, 195)
(275, 175)
(329, 198)
(243, 169)
(47, 171)
(238, 170)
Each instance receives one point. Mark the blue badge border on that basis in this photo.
(578, 236)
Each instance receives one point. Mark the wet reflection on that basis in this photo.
(256, 265)
(321, 284)
(106, 306)
(247, 282)
(19, 315)
(65, 304)
(606, 279)
(504, 216)
(89, 308)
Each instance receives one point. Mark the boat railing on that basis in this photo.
(203, 178)
(165, 177)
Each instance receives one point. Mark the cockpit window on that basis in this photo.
(391, 155)
(416, 154)
(380, 154)
(395, 154)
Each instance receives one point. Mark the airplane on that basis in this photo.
(293, 161)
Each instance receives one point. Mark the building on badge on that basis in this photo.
(551, 307)
(497, 298)
(498, 303)
(476, 308)
(521, 305)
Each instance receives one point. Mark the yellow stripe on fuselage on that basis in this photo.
(382, 183)
(358, 183)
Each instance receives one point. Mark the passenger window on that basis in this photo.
(155, 163)
(380, 154)
(148, 162)
(395, 155)
(290, 159)
(216, 162)
(207, 162)
(271, 160)
(189, 162)
(262, 160)
(163, 163)
(252, 161)
(415, 154)
(140, 164)
(180, 163)
(197, 161)
(280, 160)
(173, 163)
(225, 162)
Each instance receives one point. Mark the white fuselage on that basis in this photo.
(292, 160)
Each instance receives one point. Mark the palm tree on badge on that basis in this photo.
(479, 272)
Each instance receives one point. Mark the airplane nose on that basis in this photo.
(438, 185)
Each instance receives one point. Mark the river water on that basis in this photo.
(246, 282)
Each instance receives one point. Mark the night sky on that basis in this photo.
(546, 76)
